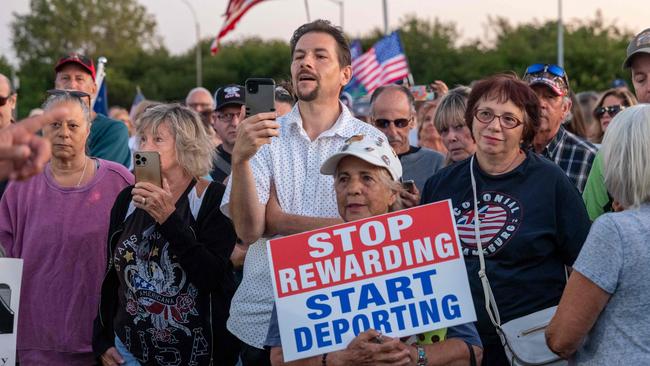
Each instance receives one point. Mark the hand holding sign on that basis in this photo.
(401, 273)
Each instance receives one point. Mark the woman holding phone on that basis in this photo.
(169, 281)
(57, 223)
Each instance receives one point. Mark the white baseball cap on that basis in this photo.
(373, 150)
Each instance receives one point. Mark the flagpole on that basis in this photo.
(307, 11)
(199, 63)
(385, 3)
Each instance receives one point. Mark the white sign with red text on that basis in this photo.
(401, 273)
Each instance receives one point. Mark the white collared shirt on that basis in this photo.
(293, 162)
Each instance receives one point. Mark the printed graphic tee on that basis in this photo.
(533, 223)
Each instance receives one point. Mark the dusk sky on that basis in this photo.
(278, 18)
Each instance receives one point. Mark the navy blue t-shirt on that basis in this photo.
(533, 223)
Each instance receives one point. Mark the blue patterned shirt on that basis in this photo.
(573, 154)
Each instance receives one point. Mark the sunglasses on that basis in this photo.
(546, 68)
(73, 93)
(385, 123)
(3, 100)
(612, 110)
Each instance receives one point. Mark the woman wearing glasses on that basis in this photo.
(532, 219)
(609, 104)
(57, 222)
(597, 199)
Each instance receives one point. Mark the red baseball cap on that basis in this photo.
(79, 59)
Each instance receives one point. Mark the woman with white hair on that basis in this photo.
(608, 294)
(169, 282)
(366, 181)
(57, 222)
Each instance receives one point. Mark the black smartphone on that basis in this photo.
(260, 96)
(146, 167)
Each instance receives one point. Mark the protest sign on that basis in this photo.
(11, 270)
(400, 273)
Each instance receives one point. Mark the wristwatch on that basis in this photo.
(422, 356)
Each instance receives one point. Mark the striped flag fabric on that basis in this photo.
(354, 87)
(383, 64)
(235, 10)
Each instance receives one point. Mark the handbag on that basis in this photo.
(522, 338)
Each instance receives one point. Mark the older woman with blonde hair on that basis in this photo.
(603, 315)
(57, 222)
(169, 282)
(428, 136)
(449, 121)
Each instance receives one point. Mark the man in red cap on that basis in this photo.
(109, 139)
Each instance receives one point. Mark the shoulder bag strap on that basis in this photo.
(490, 302)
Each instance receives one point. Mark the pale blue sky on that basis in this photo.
(278, 18)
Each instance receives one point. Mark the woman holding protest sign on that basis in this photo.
(515, 211)
(366, 181)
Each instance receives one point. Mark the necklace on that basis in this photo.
(83, 173)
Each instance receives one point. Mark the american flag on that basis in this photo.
(383, 64)
(235, 10)
(493, 219)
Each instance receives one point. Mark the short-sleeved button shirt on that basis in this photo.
(292, 161)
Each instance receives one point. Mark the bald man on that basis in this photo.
(200, 100)
(7, 101)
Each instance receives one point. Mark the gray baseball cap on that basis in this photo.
(639, 44)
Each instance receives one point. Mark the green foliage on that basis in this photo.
(594, 51)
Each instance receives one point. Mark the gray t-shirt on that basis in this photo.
(616, 257)
(419, 164)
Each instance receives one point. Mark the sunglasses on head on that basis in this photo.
(385, 123)
(73, 93)
(546, 68)
(612, 110)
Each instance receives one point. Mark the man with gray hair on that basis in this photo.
(570, 152)
(200, 100)
(392, 111)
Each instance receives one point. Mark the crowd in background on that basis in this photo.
(175, 272)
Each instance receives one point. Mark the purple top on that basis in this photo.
(61, 234)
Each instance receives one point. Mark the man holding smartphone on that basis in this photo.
(276, 187)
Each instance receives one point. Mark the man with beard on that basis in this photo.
(570, 152)
(392, 111)
(276, 187)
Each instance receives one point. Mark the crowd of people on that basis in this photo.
(550, 192)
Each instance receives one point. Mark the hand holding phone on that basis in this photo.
(146, 167)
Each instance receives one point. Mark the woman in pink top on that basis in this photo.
(57, 223)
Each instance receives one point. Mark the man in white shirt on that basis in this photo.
(276, 187)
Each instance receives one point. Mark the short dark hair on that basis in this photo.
(503, 88)
(324, 26)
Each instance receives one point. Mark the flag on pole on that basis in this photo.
(235, 10)
(354, 87)
(101, 102)
(383, 64)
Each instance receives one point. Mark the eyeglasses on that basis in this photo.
(73, 93)
(399, 123)
(612, 110)
(506, 120)
(227, 117)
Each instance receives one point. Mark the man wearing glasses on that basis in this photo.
(392, 111)
(229, 110)
(570, 152)
(200, 100)
(109, 139)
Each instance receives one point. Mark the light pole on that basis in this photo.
(199, 62)
(560, 35)
(340, 4)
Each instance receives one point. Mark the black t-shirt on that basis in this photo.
(533, 222)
